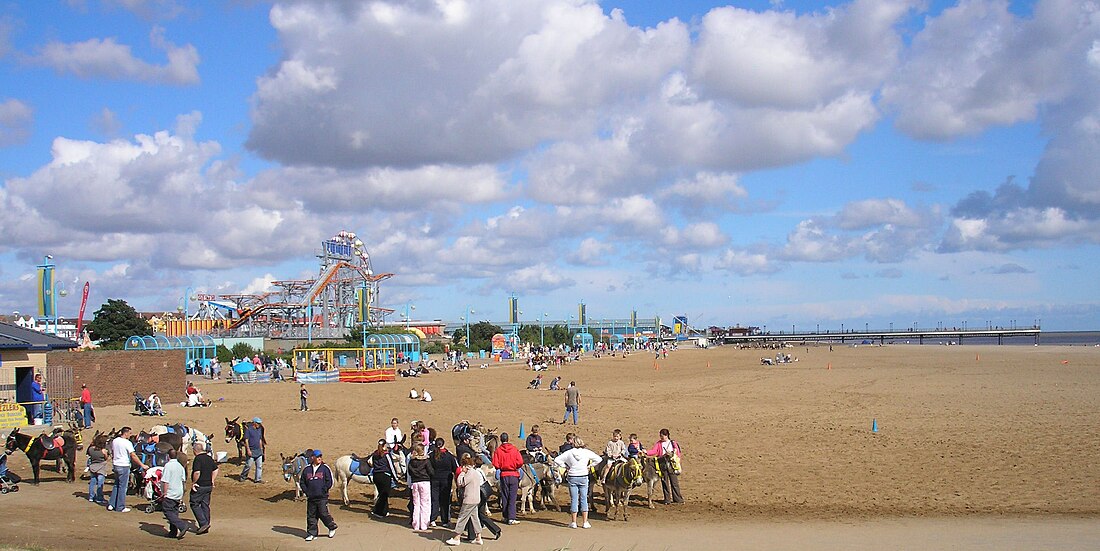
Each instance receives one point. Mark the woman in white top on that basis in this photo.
(577, 462)
(393, 434)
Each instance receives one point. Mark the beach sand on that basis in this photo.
(977, 447)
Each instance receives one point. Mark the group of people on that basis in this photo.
(119, 457)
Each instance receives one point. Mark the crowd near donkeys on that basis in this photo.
(484, 464)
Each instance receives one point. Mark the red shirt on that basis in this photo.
(85, 396)
(507, 459)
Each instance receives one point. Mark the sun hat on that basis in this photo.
(256, 420)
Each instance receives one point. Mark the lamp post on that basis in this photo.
(469, 341)
(185, 309)
(542, 330)
(408, 306)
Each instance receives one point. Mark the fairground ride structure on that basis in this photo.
(340, 298)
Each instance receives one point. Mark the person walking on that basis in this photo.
(444, 466)
(316, 481)
(203, 472)
(508, 460)
(97, 471)
(572, 402)
(577, 461)
(381, 470)
(303, 395)
(667, 452)
(86, 405)
(421, 473)
(470, 480)
(172, 481)
(254, 450)
(122, 457)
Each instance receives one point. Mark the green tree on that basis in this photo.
(242, 350)
(481, 334)
(224, 355)
(116, 321)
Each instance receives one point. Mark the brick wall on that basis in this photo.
(114, 375)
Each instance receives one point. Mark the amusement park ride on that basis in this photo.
(341, 297)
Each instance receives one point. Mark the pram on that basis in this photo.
(9, 481)
(153, 491)
(141, 406)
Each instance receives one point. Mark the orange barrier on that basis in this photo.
(381, 375)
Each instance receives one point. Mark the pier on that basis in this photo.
(956, 336)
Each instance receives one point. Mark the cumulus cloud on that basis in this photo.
(106, 58)
(977, 65)
(705, 193)
(590, 252)
(151, 9)
(746, 263)
(539, 278)
(506, 74)
(16, 118)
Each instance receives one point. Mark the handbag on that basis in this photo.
(486, 488)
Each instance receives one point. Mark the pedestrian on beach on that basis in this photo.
(316, 482)
(444, 466)
(470, 480)
(97, 470)
(172, 482)
(568, 444)
(393, 434)
(203, 472)
(572, 402)
(577, 463)
(667, 452)
(420, 478)
(122, 458)
(303, 395)
(254, 450)
(86, 405)
(381, 470)
(507, 459)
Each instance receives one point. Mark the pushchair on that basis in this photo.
(154, 493)
(141, 406)
(9, 481)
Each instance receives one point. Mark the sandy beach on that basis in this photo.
(977, 447)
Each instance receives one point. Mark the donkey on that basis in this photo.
(621, 479)
(651, 475)
(60, 447)
(541, 478)
(293, 465)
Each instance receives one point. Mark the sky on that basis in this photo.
(799, 165)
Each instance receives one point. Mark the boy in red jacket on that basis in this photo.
(508, 460)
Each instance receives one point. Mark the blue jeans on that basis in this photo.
(569, 409)
(87, 416)
(122, 483)
(95, 488)
(258, 460)
(578, 493)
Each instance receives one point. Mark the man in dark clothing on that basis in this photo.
(466, 447)
(508, 460)
(316, 481)
(444, 466)
(255, 447)
(203, 472)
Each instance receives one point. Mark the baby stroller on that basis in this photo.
(142, 407)
(9, 481)
(154, 493)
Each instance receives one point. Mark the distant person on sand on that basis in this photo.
(303, 395)
(413, 394)
(572, 402)
(424, 396)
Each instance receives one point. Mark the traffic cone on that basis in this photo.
(874, 425)
(1065, 362)
(521, 435)
(830, 367)
(708, 365)
(655, 367)
(977, 357)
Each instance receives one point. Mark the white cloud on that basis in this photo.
(706, 192)
(106, 58)
(16, 118)
(977, 65)
(703, 235)
(745, 263)
(259, 285)
(590, 252)
(777, 59)
(538, 278)
(874, 212)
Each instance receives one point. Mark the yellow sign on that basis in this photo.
(12, 416)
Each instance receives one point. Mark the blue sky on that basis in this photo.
(780, 163)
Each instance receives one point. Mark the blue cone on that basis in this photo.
(874, 425)
(521, 435)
